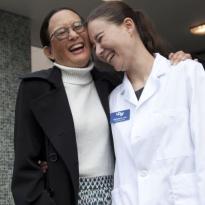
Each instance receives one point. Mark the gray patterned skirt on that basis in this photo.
(95, 190)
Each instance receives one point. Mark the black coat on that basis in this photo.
(44, 130)
(202, 61)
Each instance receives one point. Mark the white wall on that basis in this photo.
(38, 60)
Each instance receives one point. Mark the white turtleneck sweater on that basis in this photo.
(95, 153)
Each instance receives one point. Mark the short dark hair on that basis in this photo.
(44, 34)
(117, 11)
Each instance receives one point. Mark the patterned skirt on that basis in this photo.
(95, 190)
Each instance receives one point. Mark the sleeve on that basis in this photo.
(197, 124)
(28, 181)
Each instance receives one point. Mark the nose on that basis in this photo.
(99, 50)
(73, 35)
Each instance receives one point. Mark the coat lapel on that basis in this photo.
(53, 113)
(103, 90)
(103, 93)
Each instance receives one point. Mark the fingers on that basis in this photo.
(43, 166)
(179, 56)
(171, 55)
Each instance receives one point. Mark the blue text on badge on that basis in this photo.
(120, 116)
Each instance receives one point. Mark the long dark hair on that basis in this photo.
(117, 11)
(44, 34)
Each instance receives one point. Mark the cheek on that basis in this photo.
(119, 64)
(61, 53)
(85, 37)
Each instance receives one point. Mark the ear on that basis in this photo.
(129, 24)
(48, 52)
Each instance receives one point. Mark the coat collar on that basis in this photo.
(160, 68)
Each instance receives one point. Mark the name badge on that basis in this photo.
(120, 116)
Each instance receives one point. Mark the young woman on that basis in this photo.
(157, 114)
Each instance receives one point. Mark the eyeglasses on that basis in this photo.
(64, 32)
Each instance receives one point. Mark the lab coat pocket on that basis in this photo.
(184, 189)
(175, 139)
(146, 138)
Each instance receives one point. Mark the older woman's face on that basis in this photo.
(74, 50)
(110, 42)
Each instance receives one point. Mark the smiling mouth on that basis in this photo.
(77, 48)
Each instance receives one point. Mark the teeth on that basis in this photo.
(76, 46)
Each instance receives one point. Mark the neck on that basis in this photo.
(140, 68)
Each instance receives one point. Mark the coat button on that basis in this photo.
(53, 157)
(51, 192)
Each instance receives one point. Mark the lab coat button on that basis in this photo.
(144, 173)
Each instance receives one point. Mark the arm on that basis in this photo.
(197, 120)
(28, 182)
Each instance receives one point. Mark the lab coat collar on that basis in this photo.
(160, 68)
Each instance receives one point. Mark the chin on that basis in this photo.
(82, 60)
(119, 68)
(83, 63)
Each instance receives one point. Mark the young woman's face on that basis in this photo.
(110, 42)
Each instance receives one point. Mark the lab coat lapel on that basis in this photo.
(150, 89)
(140, 144)
(159, 69)
(128, 92)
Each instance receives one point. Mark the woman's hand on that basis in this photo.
(179, 56)
(43, 165)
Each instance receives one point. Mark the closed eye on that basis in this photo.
(61, 31)
(99, 39)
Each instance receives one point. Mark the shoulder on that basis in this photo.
(189, 73)
(36, 83)
(42, 74)
(190, 67)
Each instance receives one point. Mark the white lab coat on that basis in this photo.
(160, 150)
